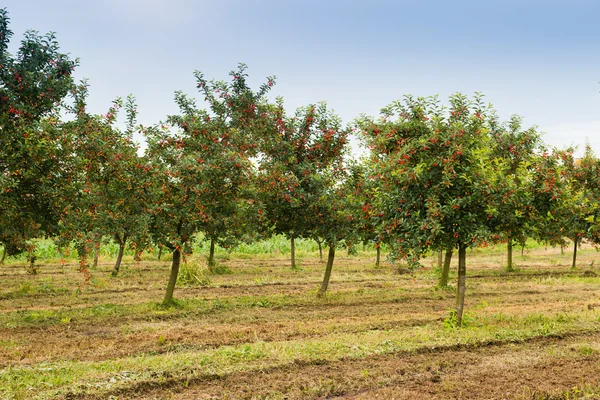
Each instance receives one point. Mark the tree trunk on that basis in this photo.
(119, 259)
(3, 256)
(440, 259)
(446, 268)
(96, 253)
(211, 254)
(378, 259)
(462, 275)
(96, 259)
(173, 277)
(159, 251)
(509, 254)
(328, 269)
(293, 252)
(574, 253)
(320, 251)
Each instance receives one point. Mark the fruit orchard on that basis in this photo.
(438, 177)
(239, 169)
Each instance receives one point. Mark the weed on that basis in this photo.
(445, 288)
(220, 269)
(193, 274)
(450, 321)
(218, 305)
(587, 350)
(161, 341)
(262, 303)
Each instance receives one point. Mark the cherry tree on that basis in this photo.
(32, 84)
(295, 167)
(514, 152)
(438, 183)
(201, 162)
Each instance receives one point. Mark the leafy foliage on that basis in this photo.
(32, 85)
(202, 169)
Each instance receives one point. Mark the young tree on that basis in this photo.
(294, 168)
(514, 151)
(589, 178)
(437, 181)
(582, 205)
(201, 169)
(32, 83)
(552, 195)
(360, 197)
(102, 184)
(85, 144)
(122, 185)
(334, 210)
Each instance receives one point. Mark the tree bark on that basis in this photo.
(97, 240)
(96, 259)
(509, 254)
(293, 252)
(328, 269)
(159, 251)
(211, 254)
(575, 241)
(119, 259)
(446, 268)
(462, 275)
(440, 259)
(173, 277)
(96, 253)
(378, 259)
(3, 256)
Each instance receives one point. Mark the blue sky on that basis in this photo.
(538, 59)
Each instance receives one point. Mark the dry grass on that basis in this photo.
(376, 334)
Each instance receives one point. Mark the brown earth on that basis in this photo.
(265, 301)
(540, 368)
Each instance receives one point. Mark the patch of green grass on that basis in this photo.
(29, 288)
(48, 380)
(196, 307)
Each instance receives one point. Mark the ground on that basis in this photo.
(259, 331)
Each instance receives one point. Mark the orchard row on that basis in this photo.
(240, 168)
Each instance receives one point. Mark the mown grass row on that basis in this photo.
(503, 308)
(391, 289)
(49, 380)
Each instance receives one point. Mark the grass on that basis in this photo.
(47, 250)
(261, 316)
(57, 378)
